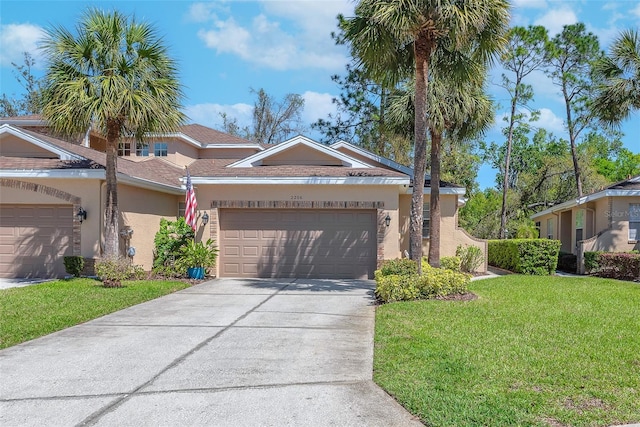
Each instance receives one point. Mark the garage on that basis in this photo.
(34, 239)
(304, 243)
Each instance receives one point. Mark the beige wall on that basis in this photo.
(301, 155)
(11, 146)
(226, 153)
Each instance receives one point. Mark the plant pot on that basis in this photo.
(195, 272)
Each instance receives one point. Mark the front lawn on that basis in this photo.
(530, 350)
(33, 311)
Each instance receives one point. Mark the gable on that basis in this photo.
(12, 146)
(371, 158)
(301, 155)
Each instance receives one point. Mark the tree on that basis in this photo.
(115, 77)
(523, 55)
(30, 103)
(618, 77)
(273, 121)
(571, 55)
(393, 40)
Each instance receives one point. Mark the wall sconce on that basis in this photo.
(81, 215)
(205, 218)
(387, 220)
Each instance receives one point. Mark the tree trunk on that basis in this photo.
(422, 50)
(507, 162)
(572, 141)
(434, 201)
(111, 238)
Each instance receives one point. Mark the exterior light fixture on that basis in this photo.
(387, 220)
(205, 218)
(81, 215)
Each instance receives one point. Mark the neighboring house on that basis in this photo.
(295, 209)
(607, 220)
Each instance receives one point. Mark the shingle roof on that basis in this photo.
(632, 183)
(207, 135)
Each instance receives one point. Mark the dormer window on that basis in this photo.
(160, 149)
(142, 150)
(124, 149)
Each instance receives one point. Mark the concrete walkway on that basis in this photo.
(228, 352)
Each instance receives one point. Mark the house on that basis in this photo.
(607, 220)
(295, 209)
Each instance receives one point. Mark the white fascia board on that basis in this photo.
(443, 190)
(199, 144)
(179, 135)
(253, 146)
(24, 122)
(19, 133)
(585, 199)
(151, 185)
(323, 180)
(368, 154)
(255, 159)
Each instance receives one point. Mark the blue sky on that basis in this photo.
(224, 48)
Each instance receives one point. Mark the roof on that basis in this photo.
(206, 135)
(626, 188)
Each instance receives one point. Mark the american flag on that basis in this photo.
(191, 204)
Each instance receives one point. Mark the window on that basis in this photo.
(124, 149)
(425, 220)
(634, 221)
(182, 206)
(579, 224)
(550, 228)
(538, 228)
(142, 150)
(160, 149)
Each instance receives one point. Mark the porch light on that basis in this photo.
(387, 220)
(205, 218)
(81, 215)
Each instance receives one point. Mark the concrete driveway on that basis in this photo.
(229, 352)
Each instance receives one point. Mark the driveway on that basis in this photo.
(228, 352)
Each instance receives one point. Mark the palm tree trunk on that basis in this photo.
(434, 201)
(111, 239)
(422, 50)
(507, 162)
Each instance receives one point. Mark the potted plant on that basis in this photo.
(196, 257)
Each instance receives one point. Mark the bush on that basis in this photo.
(567, 262)
(112, 271)
(624, 266)
(74, 265)
(450, 263)
(471, 258)
(433, 283)
(592, 261)
(171, 236)
(525, 256)
(400, 266)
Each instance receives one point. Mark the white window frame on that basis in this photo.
(634, 222)
(142, 150)
(160, 151)
(550, 228)
(426, 220)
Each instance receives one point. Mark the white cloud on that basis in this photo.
(287, 35)
(18, 38)
(209, 114)
(529, 4)
(316, 106)
(555, 19)
(549, 121)
(636, 10)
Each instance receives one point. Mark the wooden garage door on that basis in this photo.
(297, 243)
(34, 239)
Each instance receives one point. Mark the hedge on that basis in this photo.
(615, 265)
(525, 256)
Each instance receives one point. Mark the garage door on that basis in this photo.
(297, 243)
(34, 239)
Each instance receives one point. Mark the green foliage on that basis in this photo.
(197, 254)
(592, 261)
(433, 283)
(616, 265)
(399, 266)
(450, 263)
(526, 231)
(471, 258)
(171, 236)
(113, 271)
(74, 265)
(526, 256)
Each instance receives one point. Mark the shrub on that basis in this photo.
(450, 263)
(471, 258)
(433, 283)
(197, 254)
(171, 236)
(525, 256)
(624, 266)
(112, 271)
(399, 266)
(396, 287)
(592, 261)
(74, 265)
(567, 262)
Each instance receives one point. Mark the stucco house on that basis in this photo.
(295, 209)
(606, 220)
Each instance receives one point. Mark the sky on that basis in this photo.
(226, 48)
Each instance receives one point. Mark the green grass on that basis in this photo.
(529, 351)
(33, 311)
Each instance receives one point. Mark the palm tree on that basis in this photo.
(115, 77)
(619, 80)
(394, 39)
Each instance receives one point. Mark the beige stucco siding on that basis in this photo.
(301, 155)
(12, 146)
(142, 210)
(225, 153)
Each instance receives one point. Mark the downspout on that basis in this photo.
(103, 192)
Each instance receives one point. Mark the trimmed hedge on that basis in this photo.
(433, 283)
(452, 263)
(614, 265)
(525, 256)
